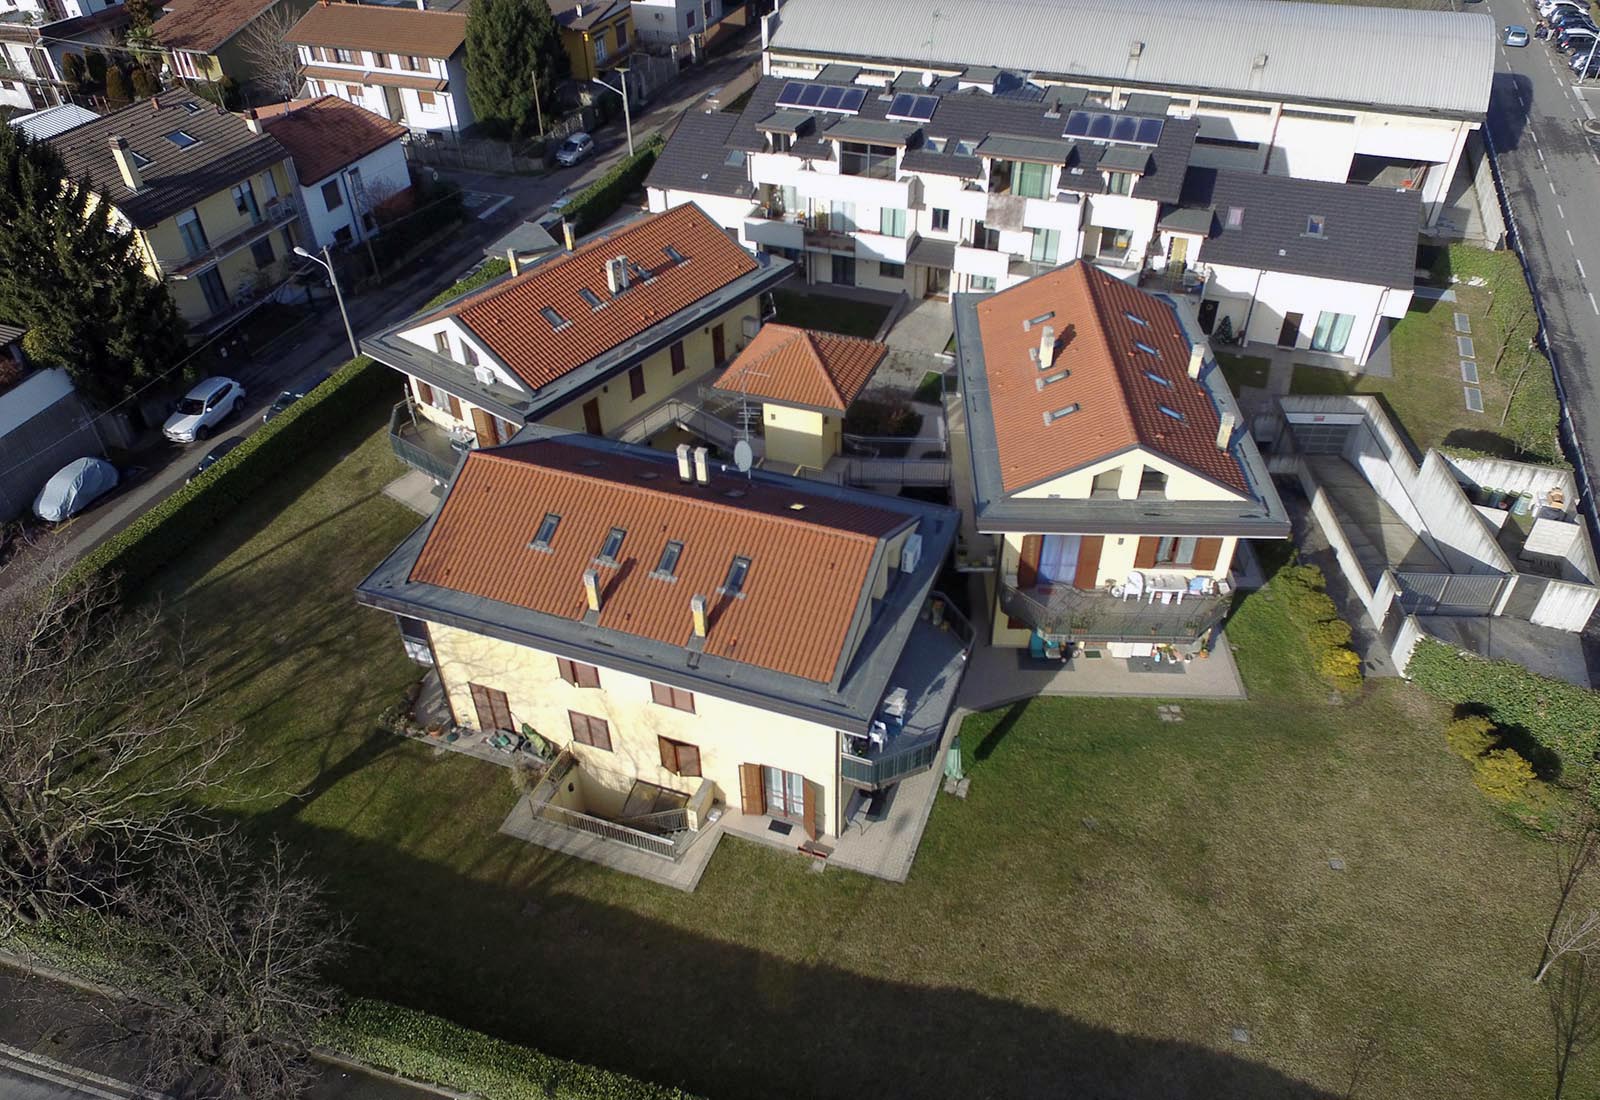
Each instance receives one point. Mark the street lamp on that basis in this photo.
(1583, 72)
(627, 115)
(327, 262)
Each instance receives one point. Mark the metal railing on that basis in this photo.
(402, 425)
(675, 822)
(674, 412)
(276, 213)
(876, 772)
(1069, 612)
(894, 471)
(663, 822)
(662, 846)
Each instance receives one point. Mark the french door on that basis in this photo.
(786, 793)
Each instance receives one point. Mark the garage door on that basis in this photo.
(1321, 439)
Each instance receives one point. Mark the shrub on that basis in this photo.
(119, 92)
(1330, 633)
(880, 416)
(1502, 775)
(72, 70)
(597, 202)
(1341, 667)
(1470, 738)
(95, 65)
(144, 81)
(488, 273)
(1303, 589)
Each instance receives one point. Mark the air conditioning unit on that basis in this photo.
(911, 554)
(750, 326)
(483, 374)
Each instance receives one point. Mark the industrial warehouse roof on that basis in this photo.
(795, 366)
(1261, 49)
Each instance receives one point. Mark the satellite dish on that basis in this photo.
(743, 456)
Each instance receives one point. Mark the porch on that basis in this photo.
(1066, 613)
(423, 445)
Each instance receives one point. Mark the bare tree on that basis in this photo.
(277, 69)
(1574, 1002)
(1576, 847)
(239, 947)
(98, 749)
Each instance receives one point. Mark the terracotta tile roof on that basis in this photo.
(202, 26)
(382, 29)
(506, 316)
(795, 366)
(1113, 383)
(325, 134)
(809, 567)
(422, 82)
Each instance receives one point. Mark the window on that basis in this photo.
(691, 19)
(612, 546)
(1315, 223)
(591, 299)
(1157, 379)
(1046, 246)
(871, 161)
(412, 64)
(676, 756)
(738, 569)
(941, 220)
(1146, 348)
(982, 282)
(636, 382)
(679, 365)
(182, 139)
(216, 294)
(469, 353)
(1030, 180)
(244, 201)
(427, 101)
(139, 159)
(1332, 333)
(1114, 243)
(888, 270)
(622, 37)
(494, 709)
(343, 57)
(1119, 183)
(1175, 551)
(842, 217)
(332, 197)
(892, 222)
(1058, 414)
(546, 532)
(441, 343)
(1136, 319)
(1107, 483)
(577, 673)
(600, 52)
(1235, 217)
(192, 232)
(1153, 482)
(589, 730)
(554, 319)
(669, 696)
(935, 145)
(353, 91)
(380, 61)
(261, 251)
(1168, 410)
(667, 567)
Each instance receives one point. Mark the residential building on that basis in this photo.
(1111, 476)
(698, 644)
(209, 197)
(51, 11)
(1295, 263)
(672, 22)
(597, 34)
(600, 339)
(206, 39)
(405, 64)
(1317, 91)
(35, 36)
(927, 188)
(350, 164)
(43, 425)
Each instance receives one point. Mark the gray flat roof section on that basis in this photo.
(696, 158)
(872, 131)
(1125, 158)
(1036, 150)
(786, 122)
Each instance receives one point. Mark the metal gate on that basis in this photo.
(1321, 439)
(1449, 593)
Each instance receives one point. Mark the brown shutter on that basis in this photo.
(564, 669)
(483, 426)
(752, 796)
(480, 703)
(669, 753)
(1088, 575)
(1028, 564)
(1145, 556)
(1206, 552)
(494, 709)
(688, 760)
(424, 392)
(812, 811)
(455, 406)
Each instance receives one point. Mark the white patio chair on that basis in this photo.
(1133, 587)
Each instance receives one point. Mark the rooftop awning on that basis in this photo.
(786, 122)
(871, 131)
(1125, 158)
(1035, 150)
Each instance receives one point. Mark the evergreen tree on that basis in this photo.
(95, 62)
(72, 70)
(118, 92)
(77, 284)
(145, 83)
(142, 13)
(514, 53)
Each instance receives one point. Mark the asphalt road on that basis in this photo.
(1548, 144)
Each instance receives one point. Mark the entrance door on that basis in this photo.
(938, 283)
(1290, 331)
(719, 348)
(844, 270)
(494, 710)
(591, 416)
(785, 793)
(1208, 315)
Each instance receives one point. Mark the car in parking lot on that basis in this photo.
(1575, 39)
(1516, 36)
(578, 147)
(290, 396)
(209, 403)
(1585, 64)
(212, 456)
(1567, 17)
(74, 487)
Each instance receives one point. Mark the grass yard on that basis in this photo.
(829, 313)
(1243, 370)
(1425, 395)
(1113, 899)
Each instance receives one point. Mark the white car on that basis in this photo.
(211, 402)
(577, 147)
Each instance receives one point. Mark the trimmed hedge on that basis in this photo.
(597, 202)
(426, 1048)
(1558, 716)
(491, 270)
(170, 527)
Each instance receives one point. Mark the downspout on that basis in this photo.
(1244, 327)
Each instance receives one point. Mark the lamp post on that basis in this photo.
(327, 263)
(627, 115)
(1583, 72)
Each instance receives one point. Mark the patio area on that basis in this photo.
(1001, 676)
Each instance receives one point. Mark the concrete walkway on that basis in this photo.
(926, 327)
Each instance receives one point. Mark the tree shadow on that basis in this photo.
(1545, 762)
(991, 740)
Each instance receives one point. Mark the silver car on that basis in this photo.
(577, 147)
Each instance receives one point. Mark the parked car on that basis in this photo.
(1575, 40)
(1551, 7)
(1516, 36)
(289, 397)
(1568, 17)
(212, 455)
(73, 488)
(1580, 58)
(577, 147)
(211, 402)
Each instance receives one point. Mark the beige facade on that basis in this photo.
(1124, 474)
(801, 437)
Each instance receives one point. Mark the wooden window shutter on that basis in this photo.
(752, 795)
(567, 670)
(1088, 574)
(688, 760)
(669, 754)
(480, 703)
(812, 810)
(1028, 563)
(455, 406)
(679, 364)
(1145, 556)
(483, 427)
(424, 392)
(1206, 552)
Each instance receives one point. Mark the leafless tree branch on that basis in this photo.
(273, 59)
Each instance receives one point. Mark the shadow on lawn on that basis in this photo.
(525, 960)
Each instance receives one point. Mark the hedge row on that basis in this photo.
(1560, 717)
(427, 1048)
(172, 526)
(597, 202)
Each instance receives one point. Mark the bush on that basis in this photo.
(72, 70)
(876, 416)
(488, 273)
(597, 202)
(95, 65)
(1341, 668)
(439, 206)
(427, 1048)
(1303, 589)
(119, 93)
(144, 81)
(1502, 775)
(1470, 738)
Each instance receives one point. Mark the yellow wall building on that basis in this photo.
(597, 36)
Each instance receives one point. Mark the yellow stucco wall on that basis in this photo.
(1182, 484)
(727, 734)
(800, 436)
(580, 44)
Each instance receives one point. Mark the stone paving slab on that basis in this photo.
(1469, 371)
(1464, 345)
(1463, 323)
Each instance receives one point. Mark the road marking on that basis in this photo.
(1570, 241)
(1541, 154)
(1592, 305)
(1581, 275)
(1552, 186)
(1534, 134)
(46, 1068)
(1560, 211)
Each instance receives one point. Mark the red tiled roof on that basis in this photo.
(202, 26)
(796, 366)
(325, 134)
(381, 29)
(808, 566)
(1110, 380)
(506, 316)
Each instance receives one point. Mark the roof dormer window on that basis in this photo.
(1315, 225)
(612, 546)
(546, 532)
(182, 139)
(738, 570)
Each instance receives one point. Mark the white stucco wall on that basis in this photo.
(381, 172)
(1277, 295)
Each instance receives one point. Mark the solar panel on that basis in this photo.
(1124, 128)
(810, 95)
(790, 96)
(1149, 131)
(901, 107)
(1103, 126)
(1100, 127)
(913, 108)
(830, 98)
(1077, 124)
(853, 99)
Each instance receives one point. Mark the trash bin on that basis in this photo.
(1524, 503)
(952, 759)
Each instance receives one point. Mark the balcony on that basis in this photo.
(423, 445)
(991, 263)
(278, 212)
(1066, 612)
(774, 228)
(1006, 211)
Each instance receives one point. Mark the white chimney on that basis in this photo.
(702, 470)
(1230, 421)
(1197, 359)
(511, 261)
(697, 610)
(591, 589)
(251, 121)
(685, 470)
(124, 158)
(617, 274)
(1047, 347)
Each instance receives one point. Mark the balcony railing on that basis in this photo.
(666, 834)
(876, 772)
(276, 213)
(1068, 612)
(422, 445)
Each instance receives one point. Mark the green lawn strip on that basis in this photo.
(1244, 370)
(829, 313)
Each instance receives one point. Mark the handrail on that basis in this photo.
(1094, 614)
(606, 830)
(881, 771)
(670, 821)
(414, 454)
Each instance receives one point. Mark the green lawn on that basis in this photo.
(1243, 370)
(829, 313)
(1115, 896)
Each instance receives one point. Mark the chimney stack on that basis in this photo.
(252, 121)
(566, 231)
(1047, 347)
(1230, 421)
(617, 274)
(591, 589)
(124, 158)
(511, 259)
(685, 469)
(1197, 360)
(697, 608)
(702, 471)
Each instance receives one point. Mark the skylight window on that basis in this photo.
(192, 108)
(182, 139)
(612, 546)
(965, 149)
(1235, 217)
(734, 159)
(546, 532)
(1136, 319)
(738, 569)
(1056, 414)
(673, 254)
(590, 297)
(1058, 376)
(556, 320)
(934, 144)
(1156, 378)
(1315, 224)
(1146, 348)
(667, 567)
(139, 159)
(1174, 413)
